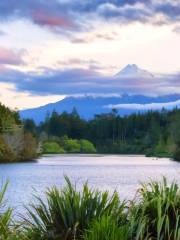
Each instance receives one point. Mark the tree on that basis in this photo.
(30, 126)
(29, 150)
(175, 131)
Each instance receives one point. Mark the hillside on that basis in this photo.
(88, 106)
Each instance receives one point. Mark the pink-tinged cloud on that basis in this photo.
(9, 57)
(45, 19)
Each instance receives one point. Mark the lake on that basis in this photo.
(105, 172)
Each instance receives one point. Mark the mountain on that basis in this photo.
(88, 106)
(133, 71)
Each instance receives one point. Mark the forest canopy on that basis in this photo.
(154, 133)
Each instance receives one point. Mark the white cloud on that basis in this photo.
(16, 100)
(149, 106)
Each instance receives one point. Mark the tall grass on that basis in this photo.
(69, 214)
(5, 215)
(158, 212)
(107, 228)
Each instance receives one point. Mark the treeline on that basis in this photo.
(151, 133)
(15, 143)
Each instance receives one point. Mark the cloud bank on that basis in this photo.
(86, 81)
(143, 107)
(10, 57)
(76, 15)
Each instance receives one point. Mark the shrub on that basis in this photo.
(52, 147)
(6, 153)
(72, 146)
(158, 213)
(87, 146)
(68, 212)
(29, 150)
(5, 216)
(106, 228)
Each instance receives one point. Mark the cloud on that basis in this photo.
(83, 63)
(45, 19)
(78, 15)
(10, 57)
(95, 36)
(142, 107)
(2, 33)
(86, 81)
(177, 29)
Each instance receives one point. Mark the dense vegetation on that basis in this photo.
(67, 214)
(66, 145)
(15, 143)
(150, 133)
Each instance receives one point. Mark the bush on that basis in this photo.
(29, 150)
(106, 228)
(52, 147)
(87, 146)
(68, 212)
(6, 153)
(72, 146)
(158, 214)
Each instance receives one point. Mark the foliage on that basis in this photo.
(7, 229)
(30, 127)
(8, 117)
(177, 153)
(158, 212)
(15, 145)
(72, 146)
(151, 133)
(52, 147)
(5, 215)
(66, 145)
(6, 154)
(176, 135)
(87, 146)
(106, 228)
(29, 150)
(69, 212)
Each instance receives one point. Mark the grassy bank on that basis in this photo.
(67, 214)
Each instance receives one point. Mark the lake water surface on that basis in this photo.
(105, 172)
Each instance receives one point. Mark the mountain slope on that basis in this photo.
(89, 106)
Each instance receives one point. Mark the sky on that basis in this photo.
(53, 49)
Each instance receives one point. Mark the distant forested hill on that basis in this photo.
(88, 106)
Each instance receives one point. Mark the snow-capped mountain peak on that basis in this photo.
(132, 70)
